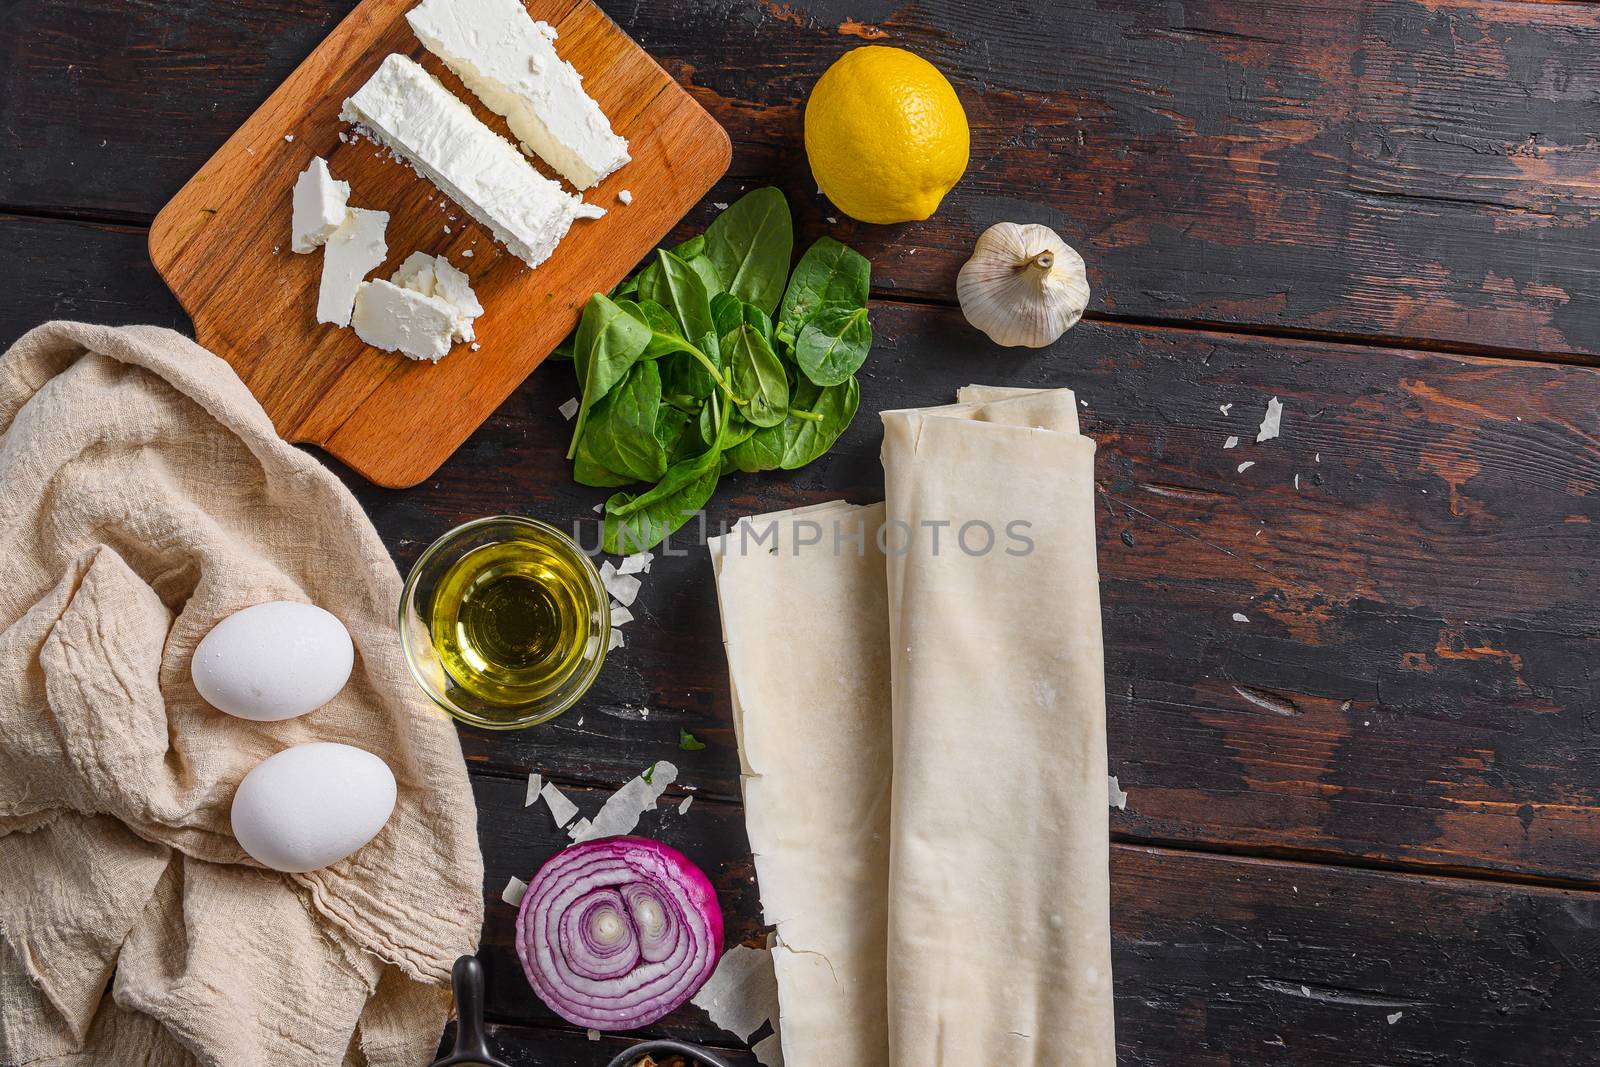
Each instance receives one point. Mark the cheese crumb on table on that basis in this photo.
(626, 196)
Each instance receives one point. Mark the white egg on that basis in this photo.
(273, 661)
(312, 805)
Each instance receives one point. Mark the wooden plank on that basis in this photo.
(1413, 557)
(1373, 167)
(222, 243)
(1431, 569)
(72, 270)
(1218, 960)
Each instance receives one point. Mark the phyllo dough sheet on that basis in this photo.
(953, 669)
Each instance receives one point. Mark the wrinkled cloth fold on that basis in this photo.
(919, 697)
(145, 496)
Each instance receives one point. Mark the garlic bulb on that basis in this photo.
(1023, 285)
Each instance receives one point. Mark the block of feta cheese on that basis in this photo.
(319, 206)
(353, 251)
(397, 319)
(510, 61)
(433, 276)
(406, 109)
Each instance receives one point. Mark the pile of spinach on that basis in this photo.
(714, 358)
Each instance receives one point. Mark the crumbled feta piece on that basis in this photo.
(625, 195)
(1272, 421)
(621, 811)
(320, 202)
(514, 891)
(568, 408)
(510, 62)
(352, 251)
(397, 319)
(434, 276)
(561, 809)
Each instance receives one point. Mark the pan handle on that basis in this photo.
(467, 979)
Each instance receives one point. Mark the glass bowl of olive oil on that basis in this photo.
(504, 622)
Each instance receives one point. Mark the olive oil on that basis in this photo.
(514, 620)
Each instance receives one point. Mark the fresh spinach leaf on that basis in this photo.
(684, 375)
(761, 451)
(798, 441)
(737, 430)
(586, 470)
(665, 335)
(621, 435)
(609, 342)
(758, 377)
(679, 289)
(727, 312)
(829, 273)
(628, 286)
(834, 343)
(805, 440)
(759, 320)
(638, 522)
(749, 244)
(693, 252)
(672, 424)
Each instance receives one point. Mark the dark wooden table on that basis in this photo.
(1362, 827)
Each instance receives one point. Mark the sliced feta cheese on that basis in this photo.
(319, 206)
(510, 61)
(353, 251)
(405, 109)
(397, 319)
(434, 276)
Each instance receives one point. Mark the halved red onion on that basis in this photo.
(615, 933)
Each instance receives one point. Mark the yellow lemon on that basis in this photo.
(886, 135)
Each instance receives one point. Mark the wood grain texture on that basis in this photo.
(77, 270)
(1396, 168)
(1433, 569)
(1218, 960)
(1414, 555)
(222, 243)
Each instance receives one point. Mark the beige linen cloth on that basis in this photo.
(144, 496)
(922, 730)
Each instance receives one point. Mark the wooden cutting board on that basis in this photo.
(222, 243)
